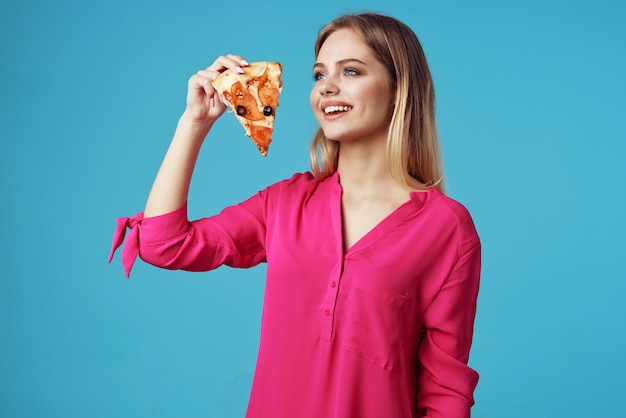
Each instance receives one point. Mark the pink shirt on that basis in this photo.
(383, 330)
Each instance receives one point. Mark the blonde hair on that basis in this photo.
(413, 150)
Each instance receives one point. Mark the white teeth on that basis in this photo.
(335, 109)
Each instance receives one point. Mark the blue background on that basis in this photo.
(531, 112)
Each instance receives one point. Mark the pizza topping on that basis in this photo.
(336, 109)
(245, 103)
(268, 111)
(268, 91)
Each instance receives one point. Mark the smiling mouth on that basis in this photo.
(333, 110)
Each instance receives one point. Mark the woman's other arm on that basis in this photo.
(447, 384)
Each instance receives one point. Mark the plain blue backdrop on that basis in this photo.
(531, 113)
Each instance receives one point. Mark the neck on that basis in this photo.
(363, 170)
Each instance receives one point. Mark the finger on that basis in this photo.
(203, 79)
(242, 62)
(224, 62)
(200, 83)
(208, 74)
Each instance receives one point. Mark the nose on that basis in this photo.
(327, 87)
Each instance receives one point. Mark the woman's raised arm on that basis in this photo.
(171, 185)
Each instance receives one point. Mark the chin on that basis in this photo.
(334, 135)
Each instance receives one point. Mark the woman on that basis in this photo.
(372, 272)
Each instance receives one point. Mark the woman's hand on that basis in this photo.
(203, 104)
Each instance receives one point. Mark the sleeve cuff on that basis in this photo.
(154, 230)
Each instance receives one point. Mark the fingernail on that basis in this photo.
(244, 63)
(239, 70)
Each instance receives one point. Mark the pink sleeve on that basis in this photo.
(446, 383)
(235, 237)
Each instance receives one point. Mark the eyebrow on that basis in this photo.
(339, 63)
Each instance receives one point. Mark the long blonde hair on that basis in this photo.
(413, 150)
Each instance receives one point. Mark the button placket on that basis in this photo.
(328, 307)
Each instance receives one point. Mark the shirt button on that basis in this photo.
(333, 284)
(327, 312)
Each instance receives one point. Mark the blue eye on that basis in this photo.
(318, 76)
(350, 71)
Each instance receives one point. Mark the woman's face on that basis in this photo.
(352, 97)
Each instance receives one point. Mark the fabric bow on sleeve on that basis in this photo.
(131, 248)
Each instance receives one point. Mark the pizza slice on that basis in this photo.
(253, 96)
